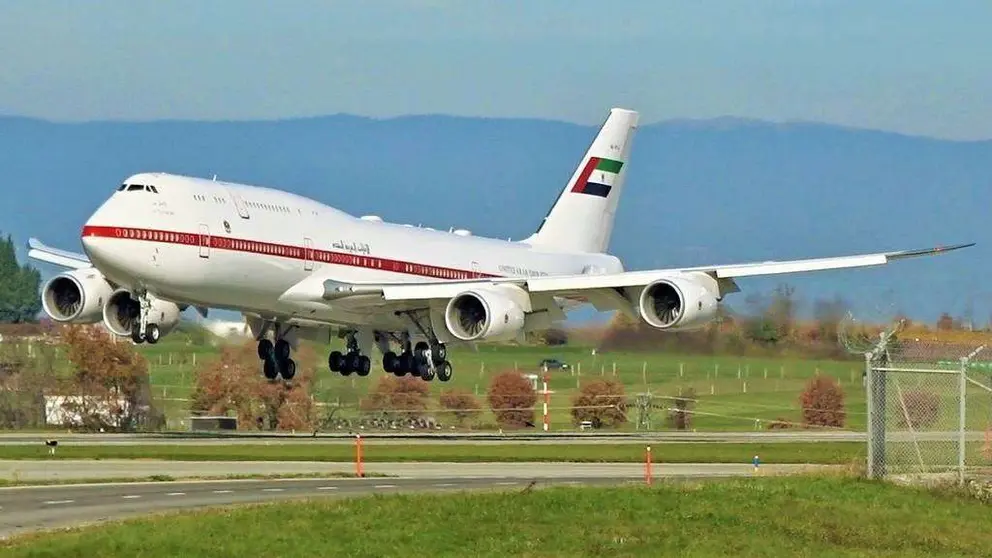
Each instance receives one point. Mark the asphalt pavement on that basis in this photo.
(32, 508)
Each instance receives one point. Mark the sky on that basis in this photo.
(917, 67)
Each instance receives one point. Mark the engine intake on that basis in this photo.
(482, 314)
(76, 296)
(122, 313)
(678, 303)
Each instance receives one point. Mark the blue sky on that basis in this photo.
(913, 66)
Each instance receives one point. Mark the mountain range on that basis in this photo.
(725, 190)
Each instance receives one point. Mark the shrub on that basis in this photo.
(680, 418)
(918, 409)
(404, 396)
(822, 402)
(601, 402)
(511, 399)
(462, 404)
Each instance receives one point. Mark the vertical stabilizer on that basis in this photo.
(581, 220)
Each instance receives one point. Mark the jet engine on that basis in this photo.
(679, 303)
(122, 312)
(484, 314)
(76, 296)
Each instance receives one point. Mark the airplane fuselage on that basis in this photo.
(221, 245)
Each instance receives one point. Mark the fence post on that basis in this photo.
(876, 417)
(358, 455)
(962, 410)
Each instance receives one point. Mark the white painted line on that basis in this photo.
(327, 488)
(271, 490)
(445, 484)
(385, 486)
(176, 494)
(223, 491)
(52, 502)
(130, 496)
(505, 483)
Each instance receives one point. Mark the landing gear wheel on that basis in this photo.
(444, 371)
(440, 354)
(391, 363)
(351, 362)
(136, 336)
(264, 349)
(364, 365)
(289, 369)
(335, 361)
(152, 333)
(269, 369)
(426, 374)
(282, 350)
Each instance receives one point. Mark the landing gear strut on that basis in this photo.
(141, 329)
(425, 359)
(351, 361)
(275, 357)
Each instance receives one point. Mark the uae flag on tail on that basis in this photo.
(598, 177)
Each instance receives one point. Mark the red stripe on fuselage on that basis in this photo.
(580, 184)
(280, 250)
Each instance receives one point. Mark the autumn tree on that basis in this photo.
(462, 404)
(26, 373)
(511, 399)
(822, 402)
(602, 402)
(233, 382)
(398, 397)
(109, 381)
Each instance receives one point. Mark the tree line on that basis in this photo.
(20, 300)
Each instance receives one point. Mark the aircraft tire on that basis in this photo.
(289, 369)
(426, 374)
(282, 350)
(364, 365)
(264, 349)
(269, 369)
(444, 371)
(335, 361)
(152, 333)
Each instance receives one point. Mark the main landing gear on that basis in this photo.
(426, 359)
(352, 361)
(275, 357)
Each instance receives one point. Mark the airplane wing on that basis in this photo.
(586, 287)
(41, 252)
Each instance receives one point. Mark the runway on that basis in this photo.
(25, 509)
(429, 437)
(35, 470)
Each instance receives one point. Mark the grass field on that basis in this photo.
(734, 393)
(797, 516)
(799, 452)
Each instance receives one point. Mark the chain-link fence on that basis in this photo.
(929, 409)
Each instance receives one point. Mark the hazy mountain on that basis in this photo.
(713, 191)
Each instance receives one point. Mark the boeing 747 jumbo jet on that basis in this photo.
(298, 269)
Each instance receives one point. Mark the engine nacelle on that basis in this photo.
(76, 296)
(679, 303)
(484, 314)
(122, 312)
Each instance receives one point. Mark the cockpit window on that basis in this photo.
(133, 187)
(121, 187)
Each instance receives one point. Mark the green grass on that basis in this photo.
(797, 516)
(700, 452)
(734, 392)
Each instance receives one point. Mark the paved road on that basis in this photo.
(420, 437)
(25, 509)
(28, 470)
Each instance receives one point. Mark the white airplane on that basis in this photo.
(298, 269)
